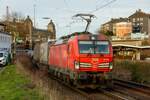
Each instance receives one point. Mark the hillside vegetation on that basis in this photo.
(138, 71)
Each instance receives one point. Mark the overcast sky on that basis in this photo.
(61, 11)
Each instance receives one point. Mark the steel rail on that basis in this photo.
(113, 95)
(136, 86)
(87, 94)
(131, 93)
(105, 92)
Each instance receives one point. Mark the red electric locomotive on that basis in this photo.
(83, 59)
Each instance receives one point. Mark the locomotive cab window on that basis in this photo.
(94, 47)
(102, 47)
(86, 47)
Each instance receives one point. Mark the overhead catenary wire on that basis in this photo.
(98, 7)
(65, 2)
(100, 1)
(103, 6)
(69, 7)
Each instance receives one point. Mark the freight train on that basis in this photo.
(81, 59)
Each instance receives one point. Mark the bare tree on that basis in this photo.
(18, 16)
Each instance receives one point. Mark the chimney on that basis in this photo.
(139, 10)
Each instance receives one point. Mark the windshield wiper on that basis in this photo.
(90, 52)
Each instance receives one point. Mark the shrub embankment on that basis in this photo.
(138, 71)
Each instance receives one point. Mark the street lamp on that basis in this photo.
(34, 6)
(46, 18)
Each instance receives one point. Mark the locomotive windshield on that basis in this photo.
(86, 47)
(98, 47)
(102, 47)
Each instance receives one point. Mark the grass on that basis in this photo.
(15, 86)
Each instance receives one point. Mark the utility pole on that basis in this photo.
(34, 6)
(7, 13)
(34, 24)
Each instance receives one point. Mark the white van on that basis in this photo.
(3, 58)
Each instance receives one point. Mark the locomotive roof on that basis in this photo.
(74, 34)
(81, 36)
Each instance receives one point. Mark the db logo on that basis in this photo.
(95, 60)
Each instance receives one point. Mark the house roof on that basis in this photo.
(139, 13)
(36, 30)
(2, 24)
(131, 46)
(116, 20)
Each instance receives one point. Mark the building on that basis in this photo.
(23, 31)
(28, 24)
(5, 41)
(40, 35)
(123, 29)
(2, 27)
(51, 29)
(44, 35)
(131, 52)
(130, 49)
(111, 25)
(140, 22)
(140, 36)
(18, 29)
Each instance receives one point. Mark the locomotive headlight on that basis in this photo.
(111, 65)
(104, 65)
(77, 65)
(93, 38)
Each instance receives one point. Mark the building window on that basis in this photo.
(133, 19)
(141, 19)
(138, 19)
(138, 24)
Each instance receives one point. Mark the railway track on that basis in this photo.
(132, 89)
(95, 94)
(135, 86)
(91, 94)
(121, 91)
(118, 93)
